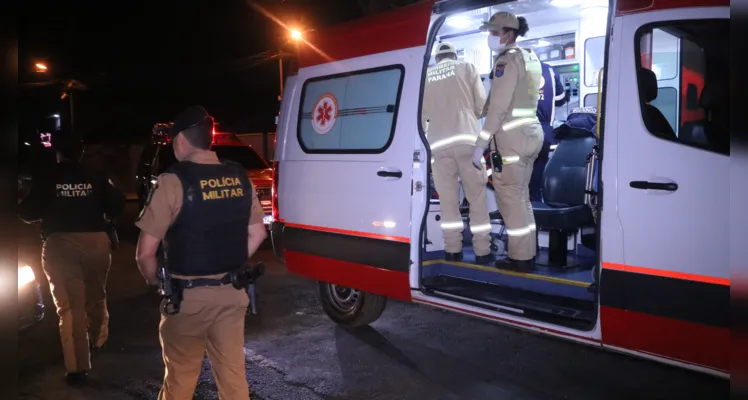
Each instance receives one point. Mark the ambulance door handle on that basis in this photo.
(645, 185)
(390, 174)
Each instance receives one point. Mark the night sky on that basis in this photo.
(144, 61)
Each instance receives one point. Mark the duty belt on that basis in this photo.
(171, 289)
(186, 283)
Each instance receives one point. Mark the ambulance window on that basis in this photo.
(350, 113)
(594, 57)
(590, 100)
(684, 81)
(665, 54)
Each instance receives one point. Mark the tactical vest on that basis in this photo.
(209, 235)
(73, 199)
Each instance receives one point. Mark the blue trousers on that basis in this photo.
(536, 180)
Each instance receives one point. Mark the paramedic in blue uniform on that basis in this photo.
(206, 213)
(73, 202)
(552, 95)
(513, 134)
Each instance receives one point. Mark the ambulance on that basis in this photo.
(633, 229)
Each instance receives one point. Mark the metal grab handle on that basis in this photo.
(390, 174)
(645, 185)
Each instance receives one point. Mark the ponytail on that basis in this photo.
(523, 27)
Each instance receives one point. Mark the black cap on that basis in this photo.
(188, 118)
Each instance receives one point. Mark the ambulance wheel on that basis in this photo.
(348, 307)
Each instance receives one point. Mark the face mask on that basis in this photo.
(494, 43)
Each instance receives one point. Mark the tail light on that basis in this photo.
(274, 192)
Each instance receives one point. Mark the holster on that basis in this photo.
(245, 278)
(171, 293)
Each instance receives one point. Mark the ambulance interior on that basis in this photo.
(569, 35)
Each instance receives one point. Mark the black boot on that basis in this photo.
(95, 350)
(76, 378)
(485, 259)
(516, 265)
(453, 256)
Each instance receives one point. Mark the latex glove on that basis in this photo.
(478, 157)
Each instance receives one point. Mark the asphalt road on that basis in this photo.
(294, 352)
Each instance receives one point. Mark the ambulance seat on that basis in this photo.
(655, 121)
(698, 132)
(564, 211)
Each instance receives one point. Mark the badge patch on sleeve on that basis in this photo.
(499, 71)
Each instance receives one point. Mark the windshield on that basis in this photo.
(244, 155)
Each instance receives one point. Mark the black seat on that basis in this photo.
(707, 132)
(655, 121)
(564, 210)
(693, 131)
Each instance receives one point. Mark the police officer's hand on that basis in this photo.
(478, 157)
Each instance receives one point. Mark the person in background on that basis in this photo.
(73, 203)
(513, 134)
(552, 95)
(206, 213)
(452, 102)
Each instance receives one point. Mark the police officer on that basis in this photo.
(72, 201)
(513, 134)
(452, 102)
(552, 95)
(206, 213)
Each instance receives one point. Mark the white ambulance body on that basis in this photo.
(644, 269)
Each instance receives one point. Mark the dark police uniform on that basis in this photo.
(552, 95)
(71, 202)
(202, 208)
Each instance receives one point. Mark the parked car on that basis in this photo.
(30, 302)
(158, 155)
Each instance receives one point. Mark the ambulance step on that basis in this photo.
(572, 313)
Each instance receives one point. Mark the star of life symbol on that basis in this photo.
(324, 113)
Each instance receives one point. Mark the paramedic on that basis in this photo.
(513, 134)
(206, 213)
(452, 102)
(72, 201)
(552, 95)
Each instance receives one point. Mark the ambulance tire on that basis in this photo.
(350, 308)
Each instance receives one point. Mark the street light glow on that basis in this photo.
(41, 67)
(295, 34)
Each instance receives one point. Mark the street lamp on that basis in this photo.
(41, 67)
(296, 36)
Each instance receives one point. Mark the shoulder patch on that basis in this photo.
(499, 70)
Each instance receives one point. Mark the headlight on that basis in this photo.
(25, 275)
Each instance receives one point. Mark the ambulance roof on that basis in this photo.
(399, 29)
